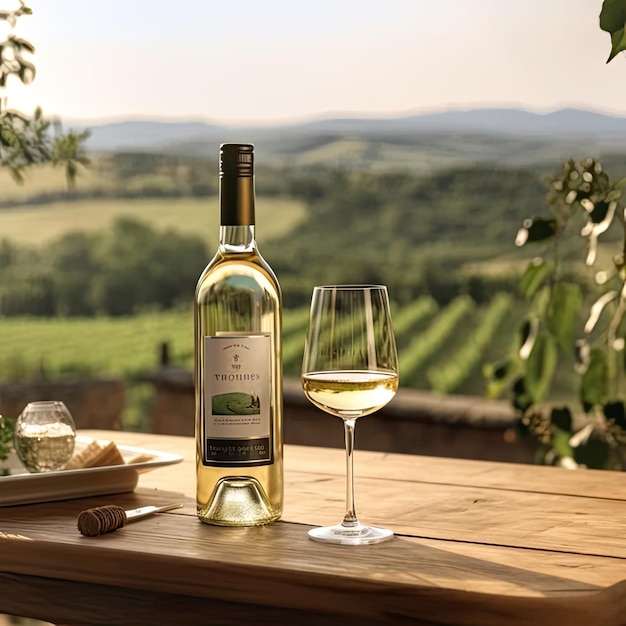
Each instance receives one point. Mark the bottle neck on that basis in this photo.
(237, 200)
(237, 239)
(237, 214)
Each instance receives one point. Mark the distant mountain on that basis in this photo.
(141, 134)
(570, 122)
(513, 136)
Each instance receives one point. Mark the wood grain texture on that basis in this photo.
(476, 545)
(404, 467)
(102, 605)
(283, 550)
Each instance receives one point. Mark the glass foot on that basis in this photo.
(350, 535)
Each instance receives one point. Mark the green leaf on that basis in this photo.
(21, 44)
(612, 16)
(540, 367)
(26, 72)
(7, 427)
(563, 312)
(498, 371)
(618, 43)
(582, 355)
(528, 332)
(500, 375)
(613, 21)
(560, 443)
(533, 277)
(594, 383)
(521, 399)
(541, 302)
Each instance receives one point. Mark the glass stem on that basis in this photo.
(350, 518)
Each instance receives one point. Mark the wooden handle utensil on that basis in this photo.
(108, 518)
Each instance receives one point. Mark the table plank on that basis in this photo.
(50, 531)
(402, 467)
(68, 602)
(442, 471)
(497, 517)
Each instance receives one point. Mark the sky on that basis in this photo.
(266, 61)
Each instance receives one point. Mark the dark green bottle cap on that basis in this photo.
(237, 184)
(237, 159)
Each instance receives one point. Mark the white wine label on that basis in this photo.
(237, 400)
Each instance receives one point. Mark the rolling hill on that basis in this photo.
(512, 137)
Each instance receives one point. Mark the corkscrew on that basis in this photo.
(108, 518)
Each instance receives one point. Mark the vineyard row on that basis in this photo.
(439, 348)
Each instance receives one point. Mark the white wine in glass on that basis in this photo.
(350, 369)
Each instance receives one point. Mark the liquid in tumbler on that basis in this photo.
(45, 448)
(44, 436)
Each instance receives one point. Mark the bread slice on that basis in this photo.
(96, 455)
(84, 456)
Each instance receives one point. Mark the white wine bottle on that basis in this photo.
(238, 364)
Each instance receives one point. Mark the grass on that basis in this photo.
(341, 150)
(93, 346)
(48, 179)
(38, 224)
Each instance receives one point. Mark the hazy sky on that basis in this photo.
(266, 60)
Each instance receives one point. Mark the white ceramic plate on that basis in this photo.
(22, 487)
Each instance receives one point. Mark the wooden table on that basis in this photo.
(476, 543)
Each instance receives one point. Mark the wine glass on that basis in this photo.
(350, 369)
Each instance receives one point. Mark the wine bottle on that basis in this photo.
(238, 364)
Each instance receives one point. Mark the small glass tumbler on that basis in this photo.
(45, 435)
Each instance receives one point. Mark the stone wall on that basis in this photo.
(92, 403)
(414, 422)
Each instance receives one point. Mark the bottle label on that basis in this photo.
(237, 400)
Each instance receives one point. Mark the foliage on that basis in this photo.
(7, 426)
(584, 204)
(447, 231)
(428, 226)
(551, 331)
(119, 271)
(613, 21)
(25, 140)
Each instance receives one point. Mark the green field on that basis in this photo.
(440, 349)
(428, 340)
(48, 179)
(98, 346)
(38, 224)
